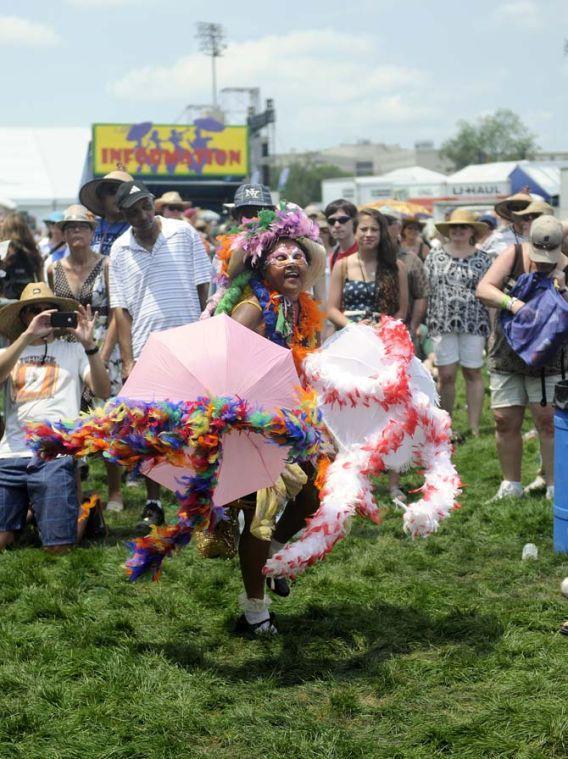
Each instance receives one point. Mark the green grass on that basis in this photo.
(445, 647)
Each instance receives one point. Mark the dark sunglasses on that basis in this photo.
(35, 310)
(107, 189)
(530, 217)
(338, 220)
(461, 226)
(174, 208)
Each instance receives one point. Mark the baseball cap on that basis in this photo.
(546, 240)
(253, 195)
(130, 193)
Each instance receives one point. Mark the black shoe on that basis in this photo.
(248, 630)
(96, 528)
(278, 585)
(153, 514)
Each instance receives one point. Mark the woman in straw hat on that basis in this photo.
(44, 376)
(83, 276)
(457, 321)
(272, 264)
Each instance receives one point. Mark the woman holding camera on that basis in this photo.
(83, 276)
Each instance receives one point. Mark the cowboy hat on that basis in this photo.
(518, 201)
(76, 212)
(533, 208)
(11, 325)
(461, 217)
(316, 263)
(172, 198)
(88, 194)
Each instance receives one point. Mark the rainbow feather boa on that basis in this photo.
(131, 433)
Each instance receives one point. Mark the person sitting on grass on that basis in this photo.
(43, 376)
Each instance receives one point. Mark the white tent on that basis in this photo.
(41, 168)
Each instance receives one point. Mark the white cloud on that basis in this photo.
(21, 31)
(522, 13)
(317, 79)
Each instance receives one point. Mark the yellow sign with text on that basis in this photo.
(207, 148)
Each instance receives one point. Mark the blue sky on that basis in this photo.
(388, 71)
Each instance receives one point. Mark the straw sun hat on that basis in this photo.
(76, 212)
(88, 194)
(460, 217)
(514, 203)
(11, 326)
(172, 198)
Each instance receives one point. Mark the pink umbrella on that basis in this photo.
(217, 357)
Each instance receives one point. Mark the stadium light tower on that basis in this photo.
(212, 42)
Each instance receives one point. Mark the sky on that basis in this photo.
(392, 71)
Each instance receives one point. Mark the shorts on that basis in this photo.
(454, 348)
(49, 487)
(508, 389)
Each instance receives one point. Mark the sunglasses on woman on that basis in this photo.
(338, 220)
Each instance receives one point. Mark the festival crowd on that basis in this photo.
(80, 304)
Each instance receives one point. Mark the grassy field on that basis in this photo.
(446, 647)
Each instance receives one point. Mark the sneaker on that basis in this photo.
(153, 514)
(114, 506)
(248, 630)
(549, 493)
(538, 485)
(508, 489)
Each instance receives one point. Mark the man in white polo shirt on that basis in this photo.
(159, 278)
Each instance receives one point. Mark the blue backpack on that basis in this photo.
(540, 329)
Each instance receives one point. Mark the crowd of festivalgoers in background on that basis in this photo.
(136, 264)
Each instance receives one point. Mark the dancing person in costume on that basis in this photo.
(274, 261)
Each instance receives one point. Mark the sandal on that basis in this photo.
(564, 628)
(248, 630)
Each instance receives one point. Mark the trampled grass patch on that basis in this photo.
(390, 648)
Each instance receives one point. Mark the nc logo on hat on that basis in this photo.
(252, 192)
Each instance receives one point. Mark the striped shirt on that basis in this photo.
(158, 287)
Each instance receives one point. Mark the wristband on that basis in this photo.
(92, 351)
(505, 302)
(510, 304)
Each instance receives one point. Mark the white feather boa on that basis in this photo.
(415, 432)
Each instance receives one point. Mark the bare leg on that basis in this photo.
(475, 392)
(114, 474)
(296, 512)
(508, 424)
(544, 423)
(253, 554)
(447, 386)
(152, 490)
